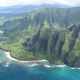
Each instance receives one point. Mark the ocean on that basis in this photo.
(9, 70)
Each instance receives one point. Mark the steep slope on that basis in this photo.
(45, 33)
(53, 43)
(62, 17)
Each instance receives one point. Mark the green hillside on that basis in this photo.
(50, 33)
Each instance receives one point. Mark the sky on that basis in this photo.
(38, 2)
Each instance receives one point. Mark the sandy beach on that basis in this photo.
(43, 62)
(29, 63)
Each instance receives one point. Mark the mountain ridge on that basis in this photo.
(44, 33)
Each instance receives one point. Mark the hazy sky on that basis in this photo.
(37, 2)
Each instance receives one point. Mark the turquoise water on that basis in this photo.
(19, 72)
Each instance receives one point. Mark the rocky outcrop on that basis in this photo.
(51, 42)
(75, 60)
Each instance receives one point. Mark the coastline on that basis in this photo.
(31, 63)
(28, 63)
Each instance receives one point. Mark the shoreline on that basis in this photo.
(14, 59)
(33, 63)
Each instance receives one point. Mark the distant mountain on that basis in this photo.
(55, 5)
(21, 10)
(15, 11)
(17, 8)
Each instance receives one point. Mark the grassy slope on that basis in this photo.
(18, 51)
(16, 48)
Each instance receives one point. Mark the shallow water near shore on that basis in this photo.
(9, 70)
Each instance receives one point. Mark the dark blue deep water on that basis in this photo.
(20, 72)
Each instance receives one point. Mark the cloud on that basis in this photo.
(68, 2)
(42, 1)
(74, 2)
(7, 2)
(37, 2)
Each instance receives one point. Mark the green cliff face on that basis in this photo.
(57, 45)
(50, 33)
